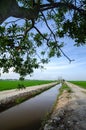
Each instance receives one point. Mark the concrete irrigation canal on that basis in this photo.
(29, 114)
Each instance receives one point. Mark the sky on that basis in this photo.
(59, 67)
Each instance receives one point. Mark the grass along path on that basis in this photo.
(13, 84)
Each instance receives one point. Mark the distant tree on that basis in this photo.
(20, 43)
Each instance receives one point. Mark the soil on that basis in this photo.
(70, 111)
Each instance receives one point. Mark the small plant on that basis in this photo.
(21, 86)
(19, 100)
(21, 78)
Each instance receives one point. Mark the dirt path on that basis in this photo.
(70, 111)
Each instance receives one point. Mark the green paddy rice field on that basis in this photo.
(80, 83)
(13, 84)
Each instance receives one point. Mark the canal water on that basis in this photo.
(29, 114)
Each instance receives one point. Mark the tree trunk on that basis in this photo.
(10, 8)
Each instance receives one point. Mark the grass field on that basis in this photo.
(13, 84)
(80, 83)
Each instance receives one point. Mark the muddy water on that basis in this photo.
(29, 114)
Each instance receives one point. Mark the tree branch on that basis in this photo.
(42, 35)
(66, 55)
(28, 28)
(48, 26)
(54, 38)
(45, 7)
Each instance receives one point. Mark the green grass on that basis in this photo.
(79, 83)
(13, 84)
(65, 87)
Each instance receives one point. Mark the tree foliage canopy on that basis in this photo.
(22, 37)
